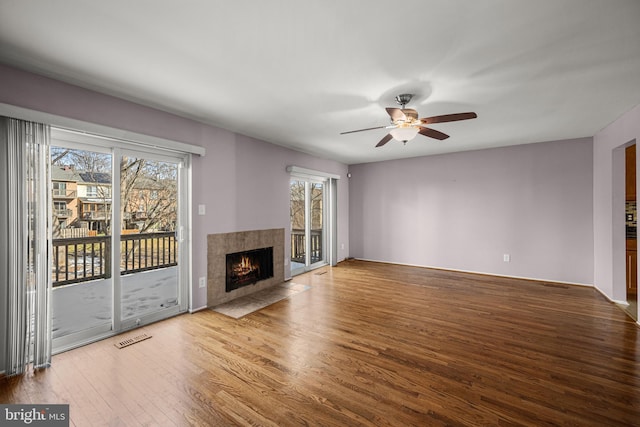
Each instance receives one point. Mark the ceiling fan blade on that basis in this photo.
(396, 114)
(384, 140)
(362, 130)
(448, 118)
(432, 133)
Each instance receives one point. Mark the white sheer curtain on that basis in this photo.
(24, 269)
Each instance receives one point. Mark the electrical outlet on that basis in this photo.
(202, 282)
(506, 258)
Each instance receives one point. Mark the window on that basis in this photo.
(92, 191)
(59, 189)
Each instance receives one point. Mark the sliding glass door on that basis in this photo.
(82, 279)
(149, 236)
(308, 219)
(117, 238)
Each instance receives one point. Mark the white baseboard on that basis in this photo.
(615, 301)
(193, 310)
(481, 272)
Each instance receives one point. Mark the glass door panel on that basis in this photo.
(148, 244)
(308, 237)
(81, 298)
(298, 226)
(316, 232)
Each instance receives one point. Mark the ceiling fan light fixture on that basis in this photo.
(404, 133)
(406, 124)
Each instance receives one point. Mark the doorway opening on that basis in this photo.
(631, 232)
(308, 201)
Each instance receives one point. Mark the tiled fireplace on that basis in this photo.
(236, 263)
(248, 268)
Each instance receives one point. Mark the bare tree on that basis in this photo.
(88, 161)
(130, 170)
(57, 154)
(149, 194)
(297, 205)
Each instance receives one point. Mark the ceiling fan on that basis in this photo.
(405, 124)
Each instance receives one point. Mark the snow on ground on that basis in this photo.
(86, 305)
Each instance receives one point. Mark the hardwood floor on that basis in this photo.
(368, 344)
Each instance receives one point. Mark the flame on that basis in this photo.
(245, 265)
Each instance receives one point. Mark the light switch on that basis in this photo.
(201, 209)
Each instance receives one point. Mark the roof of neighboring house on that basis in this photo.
(64, 173)
(60, 173)
(94, 177)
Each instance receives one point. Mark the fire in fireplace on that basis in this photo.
(248, 267)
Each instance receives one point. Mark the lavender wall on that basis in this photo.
(608, 202)
(466, 210)
(39, 93)
(242, 181)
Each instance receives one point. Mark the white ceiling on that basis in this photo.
(297, 73)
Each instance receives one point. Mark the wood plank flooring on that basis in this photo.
(369, 344)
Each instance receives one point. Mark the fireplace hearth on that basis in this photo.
(248, 267)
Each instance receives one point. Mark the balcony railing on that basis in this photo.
(63, 194)
(148, 251)
(62, 213)
(81, 259)
(89, 258)
(298, 247)
(95, 215)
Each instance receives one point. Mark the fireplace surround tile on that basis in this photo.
(219, 245)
